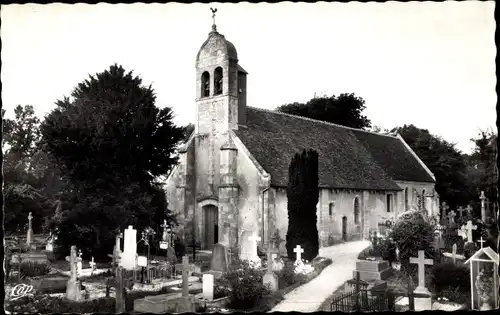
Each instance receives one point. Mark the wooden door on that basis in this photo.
(211, 226)
(344, 228)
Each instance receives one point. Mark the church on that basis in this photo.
(232, 172)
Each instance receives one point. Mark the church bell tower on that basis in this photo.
(220, 86)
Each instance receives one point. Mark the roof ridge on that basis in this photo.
(320, 121)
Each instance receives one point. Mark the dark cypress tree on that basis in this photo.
(303, 195)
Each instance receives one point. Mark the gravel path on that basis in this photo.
(308, 297)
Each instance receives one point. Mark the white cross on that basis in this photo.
(298, 250)
(468, 229)
(421, 261)
(460, 210)
(482, 197)
(481, 241)
(254, 238)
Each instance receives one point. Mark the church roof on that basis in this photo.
(348, 158)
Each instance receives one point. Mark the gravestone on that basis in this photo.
(73, 286)
(468, 229)
(454, 252)
(50, 243)
(298, 250)
(248, 250)
(372, 270)
(29, 234)
(92, 265)
(451, 217)
(129, 249)
(422, 302)
(277, 262)
(219, 258)
(208, 286)
(481, 241)
(270, 278)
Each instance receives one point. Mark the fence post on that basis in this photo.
(411, 298)
(356, 295)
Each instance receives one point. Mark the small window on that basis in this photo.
(218, 81)
(205, 84)
(356, 210)
(389, 202)
(330, 208)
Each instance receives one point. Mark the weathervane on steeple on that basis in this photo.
(213, 17)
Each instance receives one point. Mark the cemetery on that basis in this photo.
(154, 284)
(405, 269)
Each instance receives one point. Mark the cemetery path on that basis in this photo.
(308, 297)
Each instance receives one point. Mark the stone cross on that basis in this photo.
(454, 252)
(451, 217)
(117, 241)
(460, 210)
(185, 276)
(469, 209)
(298, 250)
(29, 235)
(481, 241)
(468, 229)
(444, 208)
(483, 210)
(421, 261)
(92, 266)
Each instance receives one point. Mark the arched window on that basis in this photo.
(330, 208)
(356, 210)
(218, 81)
(406, 199)
(205, 84)
(389, 202)
(423, 199)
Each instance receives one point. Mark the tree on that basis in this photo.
(111, 142)
(345, 110)
(23, 182)
(303, 196)
(443, 159)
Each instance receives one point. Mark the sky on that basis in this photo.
(431, 64)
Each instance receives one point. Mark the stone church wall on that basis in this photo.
(415, 188)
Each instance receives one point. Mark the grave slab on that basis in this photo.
(157, 304)
(372, 270)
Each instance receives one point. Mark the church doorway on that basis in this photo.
(344, 228)
(211, 226)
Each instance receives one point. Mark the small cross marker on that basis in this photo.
(481, 241)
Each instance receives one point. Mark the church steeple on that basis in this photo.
(220, 87)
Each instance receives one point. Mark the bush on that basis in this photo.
(246, 289)
(287, 277)
(180, 248)
(469, 250)
(45, 304)
(386, 249)
(367, 252)
(449, 277)
(412, 233)
(34, 269)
